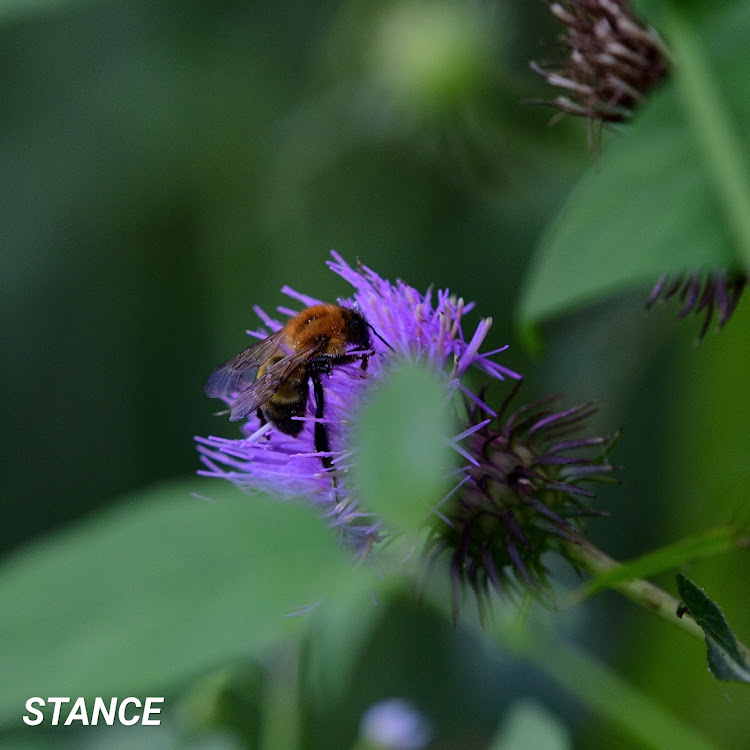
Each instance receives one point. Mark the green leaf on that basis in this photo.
(666, 195)
(403, 456)
(530, 725)
(645, 209)
(726, 659)
(720, 141)
(158, 589)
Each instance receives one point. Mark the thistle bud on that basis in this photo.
(612, 60)
(714, 293)
(525, 490)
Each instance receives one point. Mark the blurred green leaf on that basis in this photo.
(604, 691)
(403, 454)
(228, 698)
(660, 198)
(15, 743)
(650, 10)
(530, 725)
(165, 737)
(337, 634)
(12, 9)
(725, 657)
(158, 589)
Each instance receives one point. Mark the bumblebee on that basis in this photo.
(272, 377)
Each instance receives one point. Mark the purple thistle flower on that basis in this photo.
(418, 327)
(523, 492)
(715, 292)
(612, 60)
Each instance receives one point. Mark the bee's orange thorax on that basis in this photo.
(321, 323)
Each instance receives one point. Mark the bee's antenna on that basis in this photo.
(369, 325)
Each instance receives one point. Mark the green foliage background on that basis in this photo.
(166, 166)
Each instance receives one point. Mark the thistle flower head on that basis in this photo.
(714, 293)
(611, 60)
(523, 484)
(524, 490)
(428, 327)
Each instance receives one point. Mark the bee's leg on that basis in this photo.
(325, 363)
(322, 444)
(322, 365)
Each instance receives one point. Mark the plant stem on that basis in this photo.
(281, 728)
(642, 592)
(591, 558)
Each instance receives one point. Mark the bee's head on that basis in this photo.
(359, 333)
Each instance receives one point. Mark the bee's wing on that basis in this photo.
(271, 380)
(240, 371)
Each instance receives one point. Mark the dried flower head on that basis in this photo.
(523, 491)
(714, 292)
(427, 327)
(612, 60)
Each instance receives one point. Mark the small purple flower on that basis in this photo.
(395, 724)
(715, 293)
(417, 327)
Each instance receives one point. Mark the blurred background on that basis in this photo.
(166, 166)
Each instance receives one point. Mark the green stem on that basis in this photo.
(712, 125)
(598, 563)
(281, 730)
(591, 558)
(715, 541)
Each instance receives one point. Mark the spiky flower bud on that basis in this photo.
(611, 60)
(522, 493)
(716, 292)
